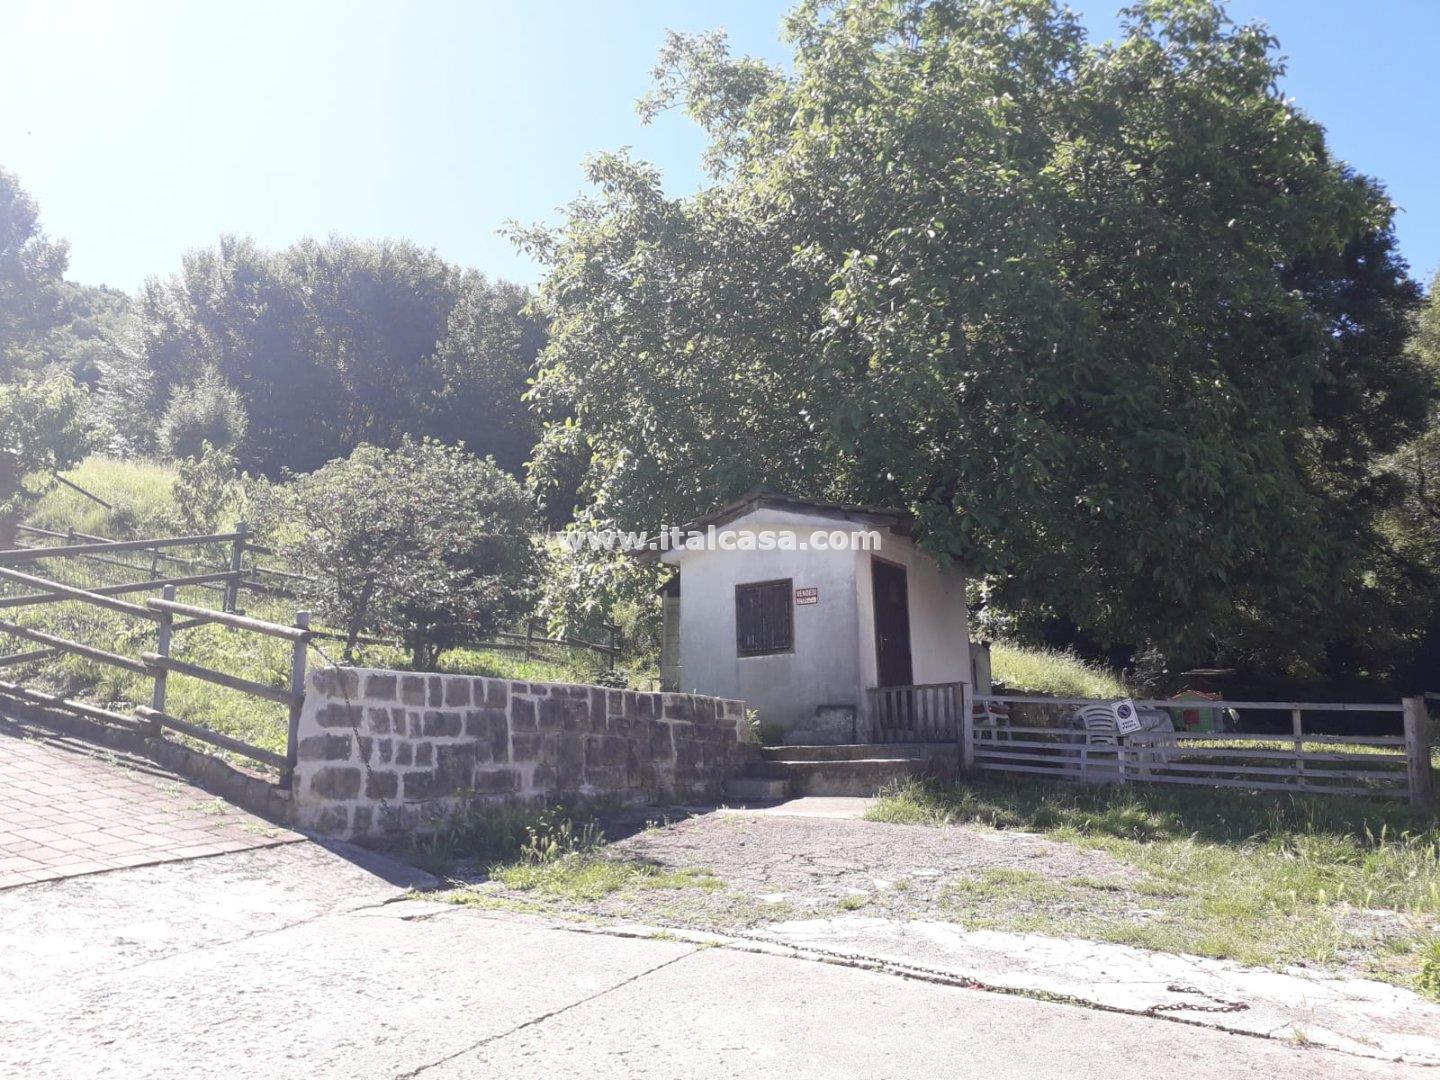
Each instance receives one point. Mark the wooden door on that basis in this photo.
(892, 624)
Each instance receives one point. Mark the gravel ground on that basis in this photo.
(823, 860)
(775, 867)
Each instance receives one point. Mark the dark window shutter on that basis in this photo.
(764, 618)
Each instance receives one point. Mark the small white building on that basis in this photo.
(801, 608)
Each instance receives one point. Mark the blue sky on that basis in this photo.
(146, 128)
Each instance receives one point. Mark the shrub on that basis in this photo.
(41, 432)
(206, 412)
(425, 541)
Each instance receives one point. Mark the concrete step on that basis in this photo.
(845, 776)
(757, 788)
(852, 751)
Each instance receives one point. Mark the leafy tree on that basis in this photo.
(205, 414)
(32, 271)
(1412, 562)
(336, 343)
(425, 541)
(1109, 319)
(41, 432)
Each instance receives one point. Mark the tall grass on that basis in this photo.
(139, 493)
(1262, 879)
(1048, 671)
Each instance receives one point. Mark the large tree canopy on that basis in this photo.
(337, 343)
(1109, 319)
(32, 272)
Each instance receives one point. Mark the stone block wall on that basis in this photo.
(386, 752)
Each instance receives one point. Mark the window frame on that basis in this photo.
(789, 583)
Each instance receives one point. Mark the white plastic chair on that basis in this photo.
(990, 718)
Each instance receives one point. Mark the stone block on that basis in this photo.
(599, 708)
(336, 782)
(362, 820)
(522, 715)
(422, 785)
(435, 691)
(490, 728)
(455, 765)
(380, 687)
(333, 820)
(525, 746)
(604, 779)
(325, 748)
(497, 694)
(382, 785)
(404, 753)
(379, 720)
(335, 682)
(662, 744)
(385, 749)
(552, 713)
(336, 714)
(457, 692)
(424, 754)
(496, 781)
(412, 690)
(442, 725)
(569, 761)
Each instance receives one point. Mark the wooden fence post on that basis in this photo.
(237, 566)
(966, 726)
(297, 700)
(1297, 729)
(1417, 752)
(162, 646)
(529, 639)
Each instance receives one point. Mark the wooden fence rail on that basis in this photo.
(159, 664)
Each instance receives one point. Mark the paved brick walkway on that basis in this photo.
(68, 809)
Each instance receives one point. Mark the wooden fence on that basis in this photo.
(163, 611)
(167, 564)
(1300, 761)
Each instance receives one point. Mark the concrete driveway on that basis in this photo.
(302, 960)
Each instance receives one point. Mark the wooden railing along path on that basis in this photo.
(157, 664)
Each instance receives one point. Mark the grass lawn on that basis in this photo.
(1263, 880)
(1048, 671)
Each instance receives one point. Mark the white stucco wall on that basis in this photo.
(833, 661)
(784, 688)
(939, 632)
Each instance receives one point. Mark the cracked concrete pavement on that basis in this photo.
(299, 959)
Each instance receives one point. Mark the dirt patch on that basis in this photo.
(767, 868)
(822, 861)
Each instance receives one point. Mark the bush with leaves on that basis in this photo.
(425, 541)
(209, 490)
(41, 432)
(204, 413)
